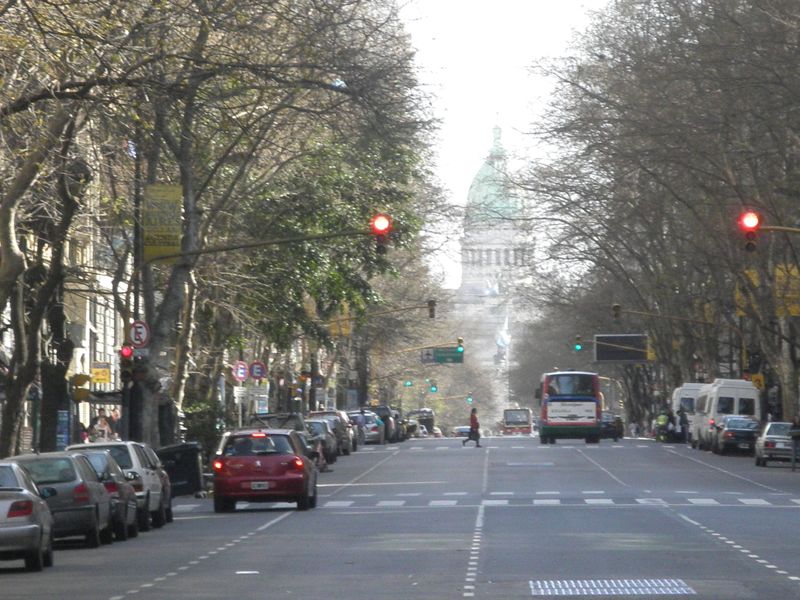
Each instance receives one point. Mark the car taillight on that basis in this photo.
(111, 486)
(217, 465)
(374, 428)
(297, 463)
(769, 444)
(81, 495)
(728, 434)
(20, 508)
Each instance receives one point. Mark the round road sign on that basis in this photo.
(139, 334)
(258, 370)
(239, 370)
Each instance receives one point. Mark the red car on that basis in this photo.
(264, 465)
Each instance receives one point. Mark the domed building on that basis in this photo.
(493, 253)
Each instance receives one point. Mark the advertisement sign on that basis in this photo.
(162, 220)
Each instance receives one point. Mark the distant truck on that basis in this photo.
(423, 416)
(684, 397)
(517, 421)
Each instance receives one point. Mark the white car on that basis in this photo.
(133, 458)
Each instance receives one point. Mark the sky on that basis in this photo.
(473, 57)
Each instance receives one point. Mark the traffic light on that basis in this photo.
(616, 309)
(434, 388)
(432, 309)
(469, 398)
(408, 383)
(749, 222)
(126, 363)
(460, 347)
(578, 343)
(381, 226)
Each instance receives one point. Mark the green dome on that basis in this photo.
(488, 200)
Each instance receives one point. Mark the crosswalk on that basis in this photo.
(538, 499)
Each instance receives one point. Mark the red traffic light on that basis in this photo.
(381, 224)
(126, 352)
(749, 221)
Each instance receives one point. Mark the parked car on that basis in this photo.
(735, 433)
(385, 413)
(166, 485)
(437, 433)
(26, 523)
(340, 423)
(81, 505)
(774, 443)
(359, 426)
(320, 430)
(118, 484)
(374, 431)
(461, 431)
(264, 465)
(133, 459)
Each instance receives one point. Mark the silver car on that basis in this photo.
(26, 524)
(774, 443)
(81, 504)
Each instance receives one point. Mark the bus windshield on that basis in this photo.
(571, 384)
(517, 416)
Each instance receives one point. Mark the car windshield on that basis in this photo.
(742, 424)
(7, 477)
(316, 428)
(121, 454)
(779, 429)
(99, 461)
(256, 445)
(51, 470)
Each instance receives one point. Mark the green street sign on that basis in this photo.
(448, 355)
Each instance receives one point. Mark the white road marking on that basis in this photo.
(545, 493)
(502, 493)
(593, 492)
(703, 501)
(755, 501)
(494, 502)
(651, 501)
(455, 494)
(599, 501)
(443, 503)
(338, 503)
(183, 507)
(547, 502)
(385, 503)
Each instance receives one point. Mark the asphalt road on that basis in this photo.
(431, 519)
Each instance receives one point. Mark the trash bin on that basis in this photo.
(184, 464)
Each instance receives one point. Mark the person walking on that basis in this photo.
(474, 429)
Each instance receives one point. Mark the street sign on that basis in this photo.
(258, 370)
(101, 372)
(621, 348)
(426, 356)
(139, 334)
(448, 355)
(239, 370)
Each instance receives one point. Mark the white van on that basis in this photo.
(684, 397)
(719, 398)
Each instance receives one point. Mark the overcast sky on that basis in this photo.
(474, 57)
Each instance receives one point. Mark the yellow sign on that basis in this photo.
(101, 372)
(785, 291)
(758, 380)
(162, 222)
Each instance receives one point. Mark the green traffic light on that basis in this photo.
(469, 399)
(434, 388)
(408, 383)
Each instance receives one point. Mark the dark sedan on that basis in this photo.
(735, 433)
(123, 496)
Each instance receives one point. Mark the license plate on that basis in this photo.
(259, 485)
(781, 445)
(744, 445)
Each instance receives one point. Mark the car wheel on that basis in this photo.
(143, 515)
(34, 560)
(223, 504)
(107, 534)
(159, 515)
(542, 439)
(133, 528)
(694, 444)
(313, 501)
(121, 528)
(346, 451)
(93, 535)
(721, 449)
(170, 517)
(304, 501)
(48, 553)
(758, 461)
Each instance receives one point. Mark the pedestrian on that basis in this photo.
(474, 429)
(684, 423)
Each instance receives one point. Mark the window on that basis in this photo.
(7, 478)
(51, 470)
(700, 404)
(747, 406)
(687, 404)
(725, 405)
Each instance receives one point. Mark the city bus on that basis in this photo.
(571, 406)
(517, 421)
